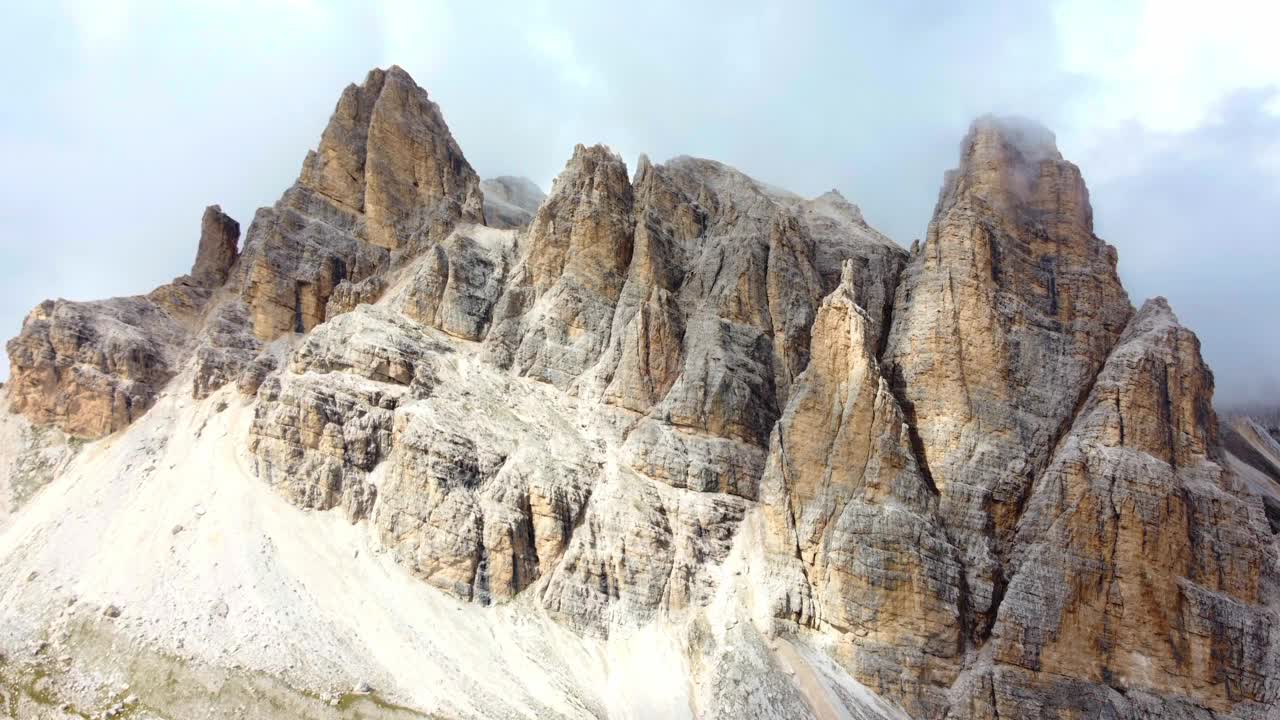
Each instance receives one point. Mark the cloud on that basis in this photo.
(1167, 65)
(1196, 219)
(102, 25)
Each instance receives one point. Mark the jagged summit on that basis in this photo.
(1013, 164)
(1033, 141)
(388, 153)
(675, 429)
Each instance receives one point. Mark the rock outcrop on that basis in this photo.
(552, 322)
(1140, 564)
(856, 519)
(219, 240)
(712, 322)
(1252, 443)
(963, 481)
(479, 494)
(456, 284)
(1000, 324)
(92, 368)
(387, 181)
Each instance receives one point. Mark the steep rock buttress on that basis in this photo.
(968, 475)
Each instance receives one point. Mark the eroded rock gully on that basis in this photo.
(987, 487)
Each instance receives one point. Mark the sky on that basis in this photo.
(122, 119)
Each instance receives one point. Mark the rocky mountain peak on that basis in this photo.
(833, 203)
(1019, 140)
(387, 181)
(583, 230)
(387, 153)
(1002, 321)
(336, 169)
(685, 416)
(217, 251)
(1013, 165)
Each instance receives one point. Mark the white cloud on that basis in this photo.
(557, 46)
(1167, 65)
(415, 33)
(102, 25)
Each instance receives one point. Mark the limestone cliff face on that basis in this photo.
(713, 322)
(387, 179)
(552, 321)
(1142, 568)
(856, 521)
(456, 286)
(92, 368)
(1000, 324)
(968, 478)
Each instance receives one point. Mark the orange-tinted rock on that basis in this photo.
(1001, 323)
(1139, 563)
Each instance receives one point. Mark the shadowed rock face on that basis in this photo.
(219, 236)
(970, 476)
(1000, 324)
(387, 181)
(1155, 554)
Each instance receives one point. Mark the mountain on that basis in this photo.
(1251, 438)
(676, 444)
(510, 202)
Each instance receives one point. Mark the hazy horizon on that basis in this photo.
(125, 118)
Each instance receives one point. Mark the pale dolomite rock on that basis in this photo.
(712, 323)
(347, 295)
(1140, 564)
(387, 178)
(92, 368)
(1000, 325)
(478, 497)
(31, 457)
(641, 550)
(455, 285)
(224, 347)
(848, 504)
(553, 321)
(326, 422)
(481, 504)
(682, 430)
(1252, 443)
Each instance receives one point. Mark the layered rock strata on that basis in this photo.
(387, 180)
(969, 474)
(92, 368)
(1141, 567)
(1000, 324)
(856, 520)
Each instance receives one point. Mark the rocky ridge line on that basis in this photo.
(990, 488)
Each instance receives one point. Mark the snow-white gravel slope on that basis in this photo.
(160, 541)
